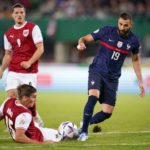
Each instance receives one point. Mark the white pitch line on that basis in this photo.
(79, 145)
(100, 133)
(127, 132)
(83, 145)
(110, 144)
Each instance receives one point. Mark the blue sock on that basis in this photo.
(88, 112)
(99, 117)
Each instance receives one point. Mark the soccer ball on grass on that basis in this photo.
(68, 130)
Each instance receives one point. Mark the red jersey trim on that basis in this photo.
(113, 48)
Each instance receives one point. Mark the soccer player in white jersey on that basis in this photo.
(23, 45)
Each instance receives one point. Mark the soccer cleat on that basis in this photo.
(97, 129)
(83, 137)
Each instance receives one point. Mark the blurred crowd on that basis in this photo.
(101, 9)
(79, 8)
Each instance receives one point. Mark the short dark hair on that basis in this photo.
(25, 90)
(125, 16)
(17, 5)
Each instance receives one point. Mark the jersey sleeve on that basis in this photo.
(136, 47)
(7, 45)
(37, 35)
(2, 107)
(23, 121)
(99, 33)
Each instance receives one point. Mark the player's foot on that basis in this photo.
(83, 137)
(97, 129)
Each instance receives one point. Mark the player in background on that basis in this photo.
(23, 45)
(19, 119)
(105, 70)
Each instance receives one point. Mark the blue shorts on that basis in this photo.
(107, 87)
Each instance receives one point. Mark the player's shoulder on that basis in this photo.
(134, 37)
(9, 100)
(9, 30)
(8, 103)
(30, 24)
(108, 28)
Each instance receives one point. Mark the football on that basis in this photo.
(68, 130)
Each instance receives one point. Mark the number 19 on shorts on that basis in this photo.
(115, 55)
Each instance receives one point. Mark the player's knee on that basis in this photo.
(94, 92)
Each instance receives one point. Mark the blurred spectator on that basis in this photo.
(146, 45)
(79, 8)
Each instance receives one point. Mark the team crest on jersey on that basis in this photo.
(128, 46)
(119, 44)
(25, 33)
(92, 82)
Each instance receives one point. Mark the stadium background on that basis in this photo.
(62, 67)
(62, 78)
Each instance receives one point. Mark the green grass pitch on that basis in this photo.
(127, 129)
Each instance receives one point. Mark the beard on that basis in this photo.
(123, 33)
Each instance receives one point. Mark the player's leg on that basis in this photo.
(93, 86)
(89, 108)
(12, 83)
(108, 100)
(51, 135)
(104, 114)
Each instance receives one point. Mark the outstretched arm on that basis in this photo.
(83, 40)
(137, 68)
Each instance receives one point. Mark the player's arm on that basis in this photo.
(83, 40)
(7, 57)
(2, 109)
(1, 113)
(39, 51)
(137, 68)
(22, 138)
(22, 123)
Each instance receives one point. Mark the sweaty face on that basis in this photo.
(19, 15)
(124, 26)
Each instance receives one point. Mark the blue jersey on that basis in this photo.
(113, 51)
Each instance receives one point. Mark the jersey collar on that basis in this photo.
(15, 27)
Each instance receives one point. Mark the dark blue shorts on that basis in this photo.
(107, 87)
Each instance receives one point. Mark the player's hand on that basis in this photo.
(142, 89)
(25, 64)
(81, 46)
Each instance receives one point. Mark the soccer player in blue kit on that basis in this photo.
(105, 70)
